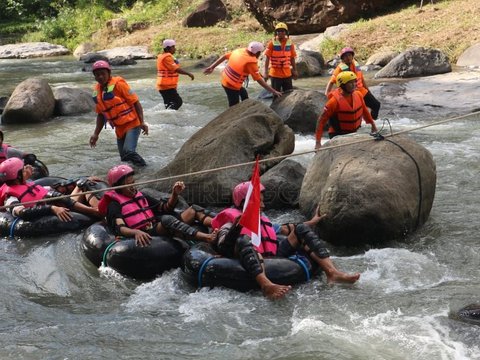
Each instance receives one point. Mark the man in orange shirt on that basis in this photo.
(344, 110)
(168, 69)
(280, 60)
(349, 64)
(118, 105)
(241, 63)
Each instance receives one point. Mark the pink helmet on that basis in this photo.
(240, 192)
(255, 47)
(9, 168)
(117, 173)
(346, 50)
(101, 64)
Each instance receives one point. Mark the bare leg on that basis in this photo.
(190, 214)
(325, 263)
(208, 238)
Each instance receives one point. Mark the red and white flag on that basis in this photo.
(251, 209)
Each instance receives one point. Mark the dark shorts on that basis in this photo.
(171, 99)
(282, 84)
(234, 96)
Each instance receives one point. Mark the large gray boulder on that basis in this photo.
(372, 192)
(299, 109)
(32, 50)
(208, 13)
(234, 137)
(128, 52)
(31, 101)
(416, 61)
(470, 57)
(72, 101)
(282, 184)
(309, 63)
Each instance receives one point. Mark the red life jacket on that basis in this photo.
(114, 109)
(135, 211)
(26, 192)
(348, 118)
(3, 152)
(269, 244)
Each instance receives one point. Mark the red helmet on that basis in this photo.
(240, 192)
(117, 173)
(346, 50)
(101, 64)
(9, 169)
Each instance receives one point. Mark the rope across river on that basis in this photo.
(376, 137)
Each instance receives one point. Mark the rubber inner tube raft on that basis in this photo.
(46, 225)
(469, 314)
(144, 263)
(203, 267)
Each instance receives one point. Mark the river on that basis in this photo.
(54, 304)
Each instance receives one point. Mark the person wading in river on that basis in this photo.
(344, 110)
(119, 106)
(168, 69)
(241, 63)
(349, 64)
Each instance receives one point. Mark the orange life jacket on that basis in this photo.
(26, 192)
(348, 118)
(166, 79)
(114, 109)
(354, 67)
(281, 55)
(234, 73)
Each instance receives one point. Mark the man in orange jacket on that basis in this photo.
(168, 69)
(280, 56)
(344, 110)
(241, 63)
(349, 64)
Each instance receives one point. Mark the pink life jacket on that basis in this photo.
(26, 192)
(135, 211)
(3, 152)
(269, 244)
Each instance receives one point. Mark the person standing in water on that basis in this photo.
(168, 69)
(119, 106)
(280, 56)
(241, 63)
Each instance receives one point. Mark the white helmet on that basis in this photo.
(255, 47)
(168, 43)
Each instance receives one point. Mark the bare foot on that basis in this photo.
(341, 277)
(208, 238)
(274, 291)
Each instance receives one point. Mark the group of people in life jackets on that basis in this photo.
(130, 213)
(119, 106)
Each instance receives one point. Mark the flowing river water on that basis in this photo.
(55, 304)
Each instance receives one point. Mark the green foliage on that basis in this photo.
(330, 48)
(151, 11)
(71, 26)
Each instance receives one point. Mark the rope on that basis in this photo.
(249, 163)
(12, 227)
(419, 176)
(300, 260)
(202, 268)
(105, 253)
